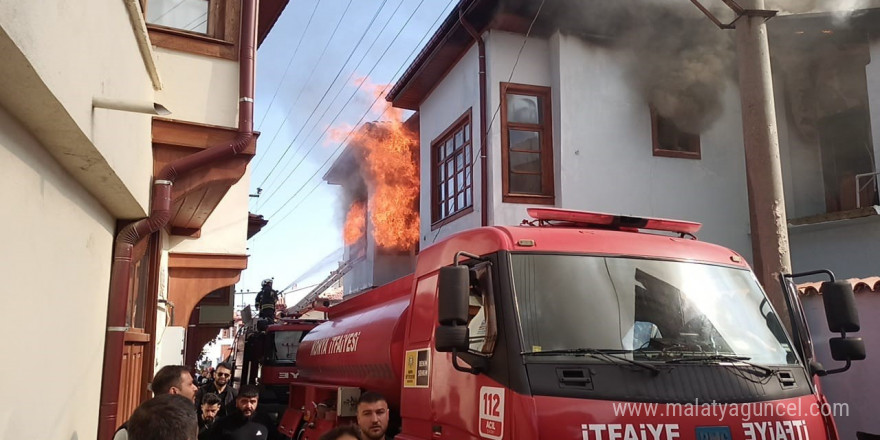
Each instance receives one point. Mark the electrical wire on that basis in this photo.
(289, 63)
(309, 78)
(495, 114)
(327, 90)
(342, 143)
(344, 106)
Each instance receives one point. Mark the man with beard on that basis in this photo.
(222, 376)
(240, 423)
(208, 413)
(170, 379)
(372, 416)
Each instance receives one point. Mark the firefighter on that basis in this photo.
(266, 300)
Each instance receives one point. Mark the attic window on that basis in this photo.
(671, 141)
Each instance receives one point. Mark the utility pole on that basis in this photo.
(768, 222)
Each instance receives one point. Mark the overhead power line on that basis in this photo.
(311, 74)
(355, 127)
(344, 106)
(330, 86)
(287, 69)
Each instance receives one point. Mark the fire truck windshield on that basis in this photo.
(284, 344)
(654, 310)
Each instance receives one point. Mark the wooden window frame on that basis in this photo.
(659, 151)
(546, 131)
(224, 24)
(436, 220)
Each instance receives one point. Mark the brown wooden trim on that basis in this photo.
(546, 130)
(658, 151)
(446, 73)
(186, 232)
(136, 336)
(191, 43)
(439, 223)
(529, 199)
(435, 183)
(207, 261)
(195, 135)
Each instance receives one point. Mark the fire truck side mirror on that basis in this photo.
(840, 306)
(847, 349)
(452, 301)
(451, 339)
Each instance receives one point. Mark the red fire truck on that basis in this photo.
(574, 325)
(269, 359)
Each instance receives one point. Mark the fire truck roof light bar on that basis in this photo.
(612, 220)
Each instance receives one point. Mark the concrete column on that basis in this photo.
(763, 167)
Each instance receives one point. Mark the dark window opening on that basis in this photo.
(670, 141)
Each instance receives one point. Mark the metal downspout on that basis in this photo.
(160, 214)
(484, 133)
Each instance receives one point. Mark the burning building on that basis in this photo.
(379, 175)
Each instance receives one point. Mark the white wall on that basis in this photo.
(55, 267)
(849, 248)
(605, 144)
(92, 43)
(199, 88)
(225, 231)
(858, 387)
(453, 96)
(534, 68)
(872, 72)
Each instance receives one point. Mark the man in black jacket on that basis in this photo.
(220, 387)
(240, 423)
(164, 417)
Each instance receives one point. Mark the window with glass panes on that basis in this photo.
(527, 147)
(452, 173)
(204, 27)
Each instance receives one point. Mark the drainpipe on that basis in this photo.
(484, 133)
(160, 214)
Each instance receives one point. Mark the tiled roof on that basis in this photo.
(860, 285)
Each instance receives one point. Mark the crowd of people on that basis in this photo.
(180, 410)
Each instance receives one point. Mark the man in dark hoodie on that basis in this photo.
(240, 423)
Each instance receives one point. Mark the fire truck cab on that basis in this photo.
(574, 325)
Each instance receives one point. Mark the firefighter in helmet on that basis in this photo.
(266, 300)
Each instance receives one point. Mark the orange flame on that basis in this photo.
(355, 223)
(392, 173)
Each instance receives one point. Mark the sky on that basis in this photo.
(308, 71)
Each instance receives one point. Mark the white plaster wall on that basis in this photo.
(858, 388)
(872, 74)
(225, 231)
(533, 68)
(602, 135)
(55, 267)
(452, 97)
(104, 61)
(849, 248)
(199, 88)
(801, 159)
(605, 145)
